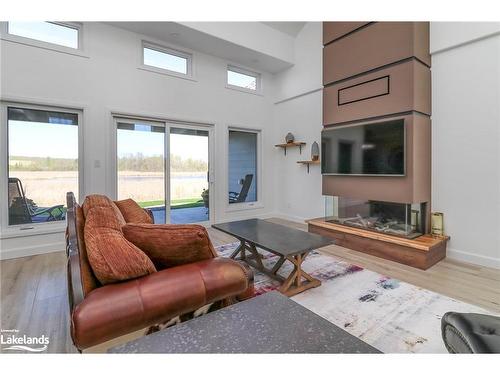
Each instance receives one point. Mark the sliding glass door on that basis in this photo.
(165, 167)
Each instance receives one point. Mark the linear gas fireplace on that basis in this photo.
(398, 219)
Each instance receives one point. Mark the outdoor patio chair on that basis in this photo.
(242, 195)
(20, 212)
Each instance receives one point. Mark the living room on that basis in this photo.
(315, 185)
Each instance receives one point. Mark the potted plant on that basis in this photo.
(205, 196)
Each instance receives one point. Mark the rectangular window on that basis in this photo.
(242, 173)
(167, 59)
(243, 79)
(42, 164)
(61, 34)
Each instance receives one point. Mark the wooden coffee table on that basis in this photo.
(288, 244)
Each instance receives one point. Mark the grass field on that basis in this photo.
(176, 203)
(48, 188)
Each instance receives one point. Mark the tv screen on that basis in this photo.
(371, 149)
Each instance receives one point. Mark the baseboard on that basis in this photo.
(32, 250)
(473, 258)
(296, 219)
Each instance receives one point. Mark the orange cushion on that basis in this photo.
(171, 245)
(97, 200)
(111, 256)
(132, 212)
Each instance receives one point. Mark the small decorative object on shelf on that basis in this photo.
(437, 225)
(284, 146)
(289, 138)
(315, 151)
(308, 163)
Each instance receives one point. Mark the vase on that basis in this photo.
(289, 138)
(315, 151)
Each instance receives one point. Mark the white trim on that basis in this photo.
(242, 89)
(245, 206)
(155, 116)
(32, 250)
(295, 219)
(238, 69)
(168, 51)
(31, 229)
(244, 215)
(469, 257)
(166, 72)
(35, 229)
(68, 105)
(80, 51)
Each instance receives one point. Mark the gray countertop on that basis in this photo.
(270, 323)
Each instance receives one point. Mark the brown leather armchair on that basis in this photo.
(100, 313)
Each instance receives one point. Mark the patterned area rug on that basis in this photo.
(391, 315)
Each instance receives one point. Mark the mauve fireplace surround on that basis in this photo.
(375, 72)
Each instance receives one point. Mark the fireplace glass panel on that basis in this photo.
(398, 219)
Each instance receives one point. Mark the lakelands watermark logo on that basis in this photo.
(11, 340)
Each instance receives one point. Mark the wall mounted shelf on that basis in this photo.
(284, 146)
(308, 163)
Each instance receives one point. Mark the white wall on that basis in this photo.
(108, 80)
(307, 73)
(298, 109)
(466, 138)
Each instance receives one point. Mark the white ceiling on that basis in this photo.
(290, 28)
(188, 37)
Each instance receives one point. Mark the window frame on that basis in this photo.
(247, 72)
(31, 229)
(79, 26)
(259, 203)
(169, 51)
(168, 122)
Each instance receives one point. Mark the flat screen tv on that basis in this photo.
(366, 150)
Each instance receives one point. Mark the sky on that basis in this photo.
(42, 139)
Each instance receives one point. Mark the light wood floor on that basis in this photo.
(34, 297)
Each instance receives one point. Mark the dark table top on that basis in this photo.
(274, 237)
(269, 323)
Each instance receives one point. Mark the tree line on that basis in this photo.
(131, 162)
